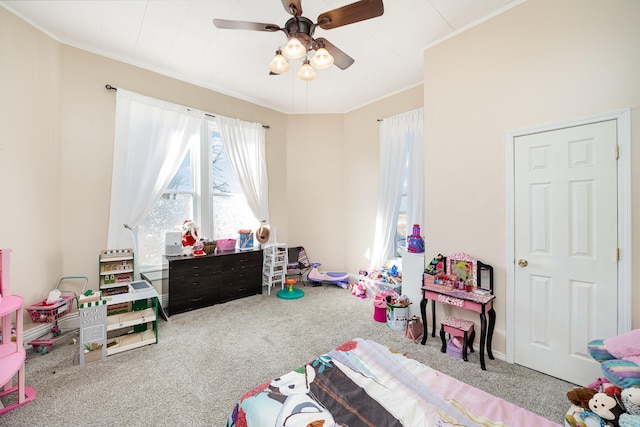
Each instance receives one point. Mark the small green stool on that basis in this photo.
(291, 293)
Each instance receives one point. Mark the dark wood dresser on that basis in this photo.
(197, 282)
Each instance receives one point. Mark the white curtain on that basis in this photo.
(152, 138)
(400, 136)
(245, 144)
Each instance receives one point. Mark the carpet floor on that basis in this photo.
(205, 360)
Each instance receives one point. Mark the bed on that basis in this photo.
(363, 383)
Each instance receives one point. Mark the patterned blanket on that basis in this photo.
(363, 383)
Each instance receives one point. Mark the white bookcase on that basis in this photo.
(132, 319)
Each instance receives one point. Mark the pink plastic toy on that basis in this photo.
(340, 279)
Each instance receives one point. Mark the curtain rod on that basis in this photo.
(109, 87)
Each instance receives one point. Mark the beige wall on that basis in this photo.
(30, 150)
(541, 62)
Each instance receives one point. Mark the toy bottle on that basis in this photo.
(415, 242)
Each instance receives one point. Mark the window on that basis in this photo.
(220, 208)
(229, 209)
(401, 223)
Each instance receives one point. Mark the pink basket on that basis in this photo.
(226, 244)
(49, 313)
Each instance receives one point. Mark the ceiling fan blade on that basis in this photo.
(293, 7)
(354, 12)
(227, 24)
(340, 59)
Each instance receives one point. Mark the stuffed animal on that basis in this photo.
(580, 396)
(189, 236)
(606, 407)
(603, 385)
(630, 398)
(579, 414)
(359, 289)
(627, 420)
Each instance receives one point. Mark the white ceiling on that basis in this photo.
(178, 39)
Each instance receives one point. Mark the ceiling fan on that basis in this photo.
(299, 31)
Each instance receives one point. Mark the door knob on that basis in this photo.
(523, 262)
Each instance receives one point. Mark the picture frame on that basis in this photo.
(464, 267)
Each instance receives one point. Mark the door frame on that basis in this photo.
(623, 127)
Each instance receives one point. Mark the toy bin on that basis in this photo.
(453, 350)
(226, 244)
(42, 312)
(376, 287)
(397, 317)
(380, 310)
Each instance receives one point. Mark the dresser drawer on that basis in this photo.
(241, 283)
(241, 261)
(191, 301)
(194, 268)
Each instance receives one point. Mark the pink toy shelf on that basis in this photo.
(12, 353)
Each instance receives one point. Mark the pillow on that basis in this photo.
(598, 351)
(622, 373)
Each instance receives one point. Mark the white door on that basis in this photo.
(565, 247)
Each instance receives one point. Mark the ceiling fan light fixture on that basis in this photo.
(322, 59)
(279, 64)
(294, 49)
(306, 72)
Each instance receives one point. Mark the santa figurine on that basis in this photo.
(189, 236)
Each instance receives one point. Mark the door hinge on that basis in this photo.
(617, 254)
(617, 151)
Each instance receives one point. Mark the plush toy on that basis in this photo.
(189, 236)
(630, 401)
(579, 414)
(359, 289)
(580, 396)
(603, 385)
(607, 408)
(627, 420)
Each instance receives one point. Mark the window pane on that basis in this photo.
(167, 215)
(182, 181)
(230, 214)
(230, 209)
(401, 225)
